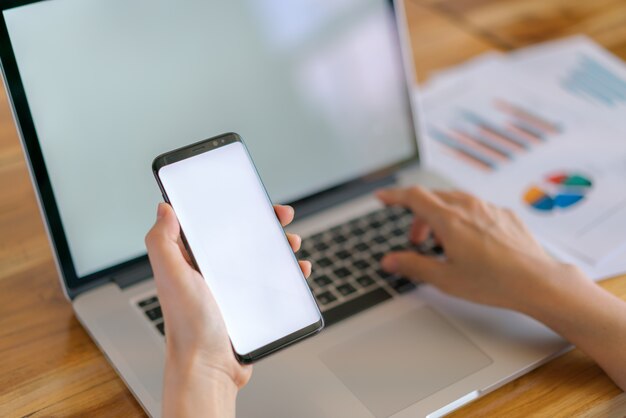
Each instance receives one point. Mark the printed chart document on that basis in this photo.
(581, 70)
(548, 144)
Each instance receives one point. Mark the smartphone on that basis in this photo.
(236, 242)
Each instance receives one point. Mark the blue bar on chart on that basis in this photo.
(486, 144)
(595, 82)
(466, 152)
(494, 131)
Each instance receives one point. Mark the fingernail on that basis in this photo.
(389, 264)
(160, 210)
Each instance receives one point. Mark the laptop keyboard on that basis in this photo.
(151, 308)
(347, 277)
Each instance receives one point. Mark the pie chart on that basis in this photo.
(558, 191)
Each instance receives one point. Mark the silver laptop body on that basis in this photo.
(93, 110)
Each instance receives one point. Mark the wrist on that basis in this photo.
(196, 384)
(196, 365)
(549, 285)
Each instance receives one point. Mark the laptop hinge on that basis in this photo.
(133, 274)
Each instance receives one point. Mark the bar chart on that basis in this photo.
(497, 135)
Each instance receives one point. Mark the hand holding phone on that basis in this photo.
(197, 339)
(236, 242)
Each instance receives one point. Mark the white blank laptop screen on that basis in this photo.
(315, 88)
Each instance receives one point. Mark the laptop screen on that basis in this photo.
(315, 88)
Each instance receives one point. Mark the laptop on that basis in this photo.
(321, 92)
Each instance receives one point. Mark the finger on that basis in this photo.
(419, 232)
(306, 267)
(162, 243)
(457, 198)
(423, 203)
(284, 213)
(295, 241)
(413, 266)
(455, 194)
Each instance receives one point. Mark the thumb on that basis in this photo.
(166, 225)
(413, 266)
(162, 241)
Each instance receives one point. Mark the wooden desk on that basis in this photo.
(50, 367)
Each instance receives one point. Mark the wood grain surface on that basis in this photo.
(50, 367)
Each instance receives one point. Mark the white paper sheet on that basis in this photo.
(561, 132)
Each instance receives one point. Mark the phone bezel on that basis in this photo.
(208, 145)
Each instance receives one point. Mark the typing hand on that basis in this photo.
(491, 257)
(201, 370)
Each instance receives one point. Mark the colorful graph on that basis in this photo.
(495, 138)
(595, 82)
(558, 191)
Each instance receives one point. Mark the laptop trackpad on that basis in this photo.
(403, 361)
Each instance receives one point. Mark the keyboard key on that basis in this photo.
(376, 224)
(356, 305)
(393, 217)
(339, 239)
(148, 301)
(361, 264)
(326, 298)
(320, 246)
(379, 239)
(361, 246)
(378, 255)
(402, 285)
(154, 313)
(304, 254)
(404, 212)
(397, 232)
(370, 216)
(343, 254)
(161, 327)
(346, 289)
(324, 262)
(383, 274)
(342, 272)
(322, 281)
(365, 281)
(357, 231)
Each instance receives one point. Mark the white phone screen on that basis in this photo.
(239, 246)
